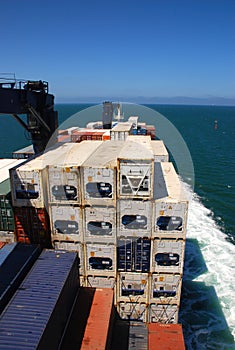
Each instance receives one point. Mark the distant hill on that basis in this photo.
(219, 101)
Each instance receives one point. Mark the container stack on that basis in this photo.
(135, 191)
(151, 231)
(118, 204)
(99, 186)
(29, 197)
(65, 199)
(170, 208)
(7, 226)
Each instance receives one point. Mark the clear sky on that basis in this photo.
(88, 48)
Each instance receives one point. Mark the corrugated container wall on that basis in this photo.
(133, 255)
(165, 337)
(17, 259)
(37, 315)
(99, 324)
(32, 226)
(138, 336)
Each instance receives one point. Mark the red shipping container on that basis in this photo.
(99, 324)
(32, 226)
(165, 337)
(87, 134)
(151, 131)
(2, 244)
(64, 138)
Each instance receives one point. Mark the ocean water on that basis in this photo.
(208, 296)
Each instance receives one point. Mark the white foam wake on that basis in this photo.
(218, 253)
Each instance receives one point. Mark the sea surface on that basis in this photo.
(201, 140)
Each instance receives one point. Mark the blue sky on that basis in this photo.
(122, 49)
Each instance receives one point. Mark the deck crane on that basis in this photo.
(31, 98)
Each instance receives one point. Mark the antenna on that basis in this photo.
(118, 116)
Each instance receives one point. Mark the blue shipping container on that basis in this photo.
(133, 254)
(16, 261)
(36, 316)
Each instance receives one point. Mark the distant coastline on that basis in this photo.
(177, 100)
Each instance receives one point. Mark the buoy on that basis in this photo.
(216, 125)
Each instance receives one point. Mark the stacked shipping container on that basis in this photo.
(170, 208)
(65, 196)
(120, 206)
(7, 225)
(151, 221)
(30, 198)
(99, 185)
(135, 190)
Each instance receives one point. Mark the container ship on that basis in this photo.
(92, 230)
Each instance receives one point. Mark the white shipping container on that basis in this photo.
(170, 203)
(64, 185)
(143, 140)
(167, 183)
(168, 255)
(73, 247)
(99, 174)
(159, 151)
(29, 181)
(99, 185)
(165, 288)
(7, 237)
(100, 224)
(133, 287)
(135, 217)
(6, 164)
(135, 166)
(100, 259)
(133, 311)
(66, 223)
(163, 313)
(170, 218)
(64, 176)
(135, 179)
(100, 281)
(120, 131)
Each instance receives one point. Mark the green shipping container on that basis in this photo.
(6, 212)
